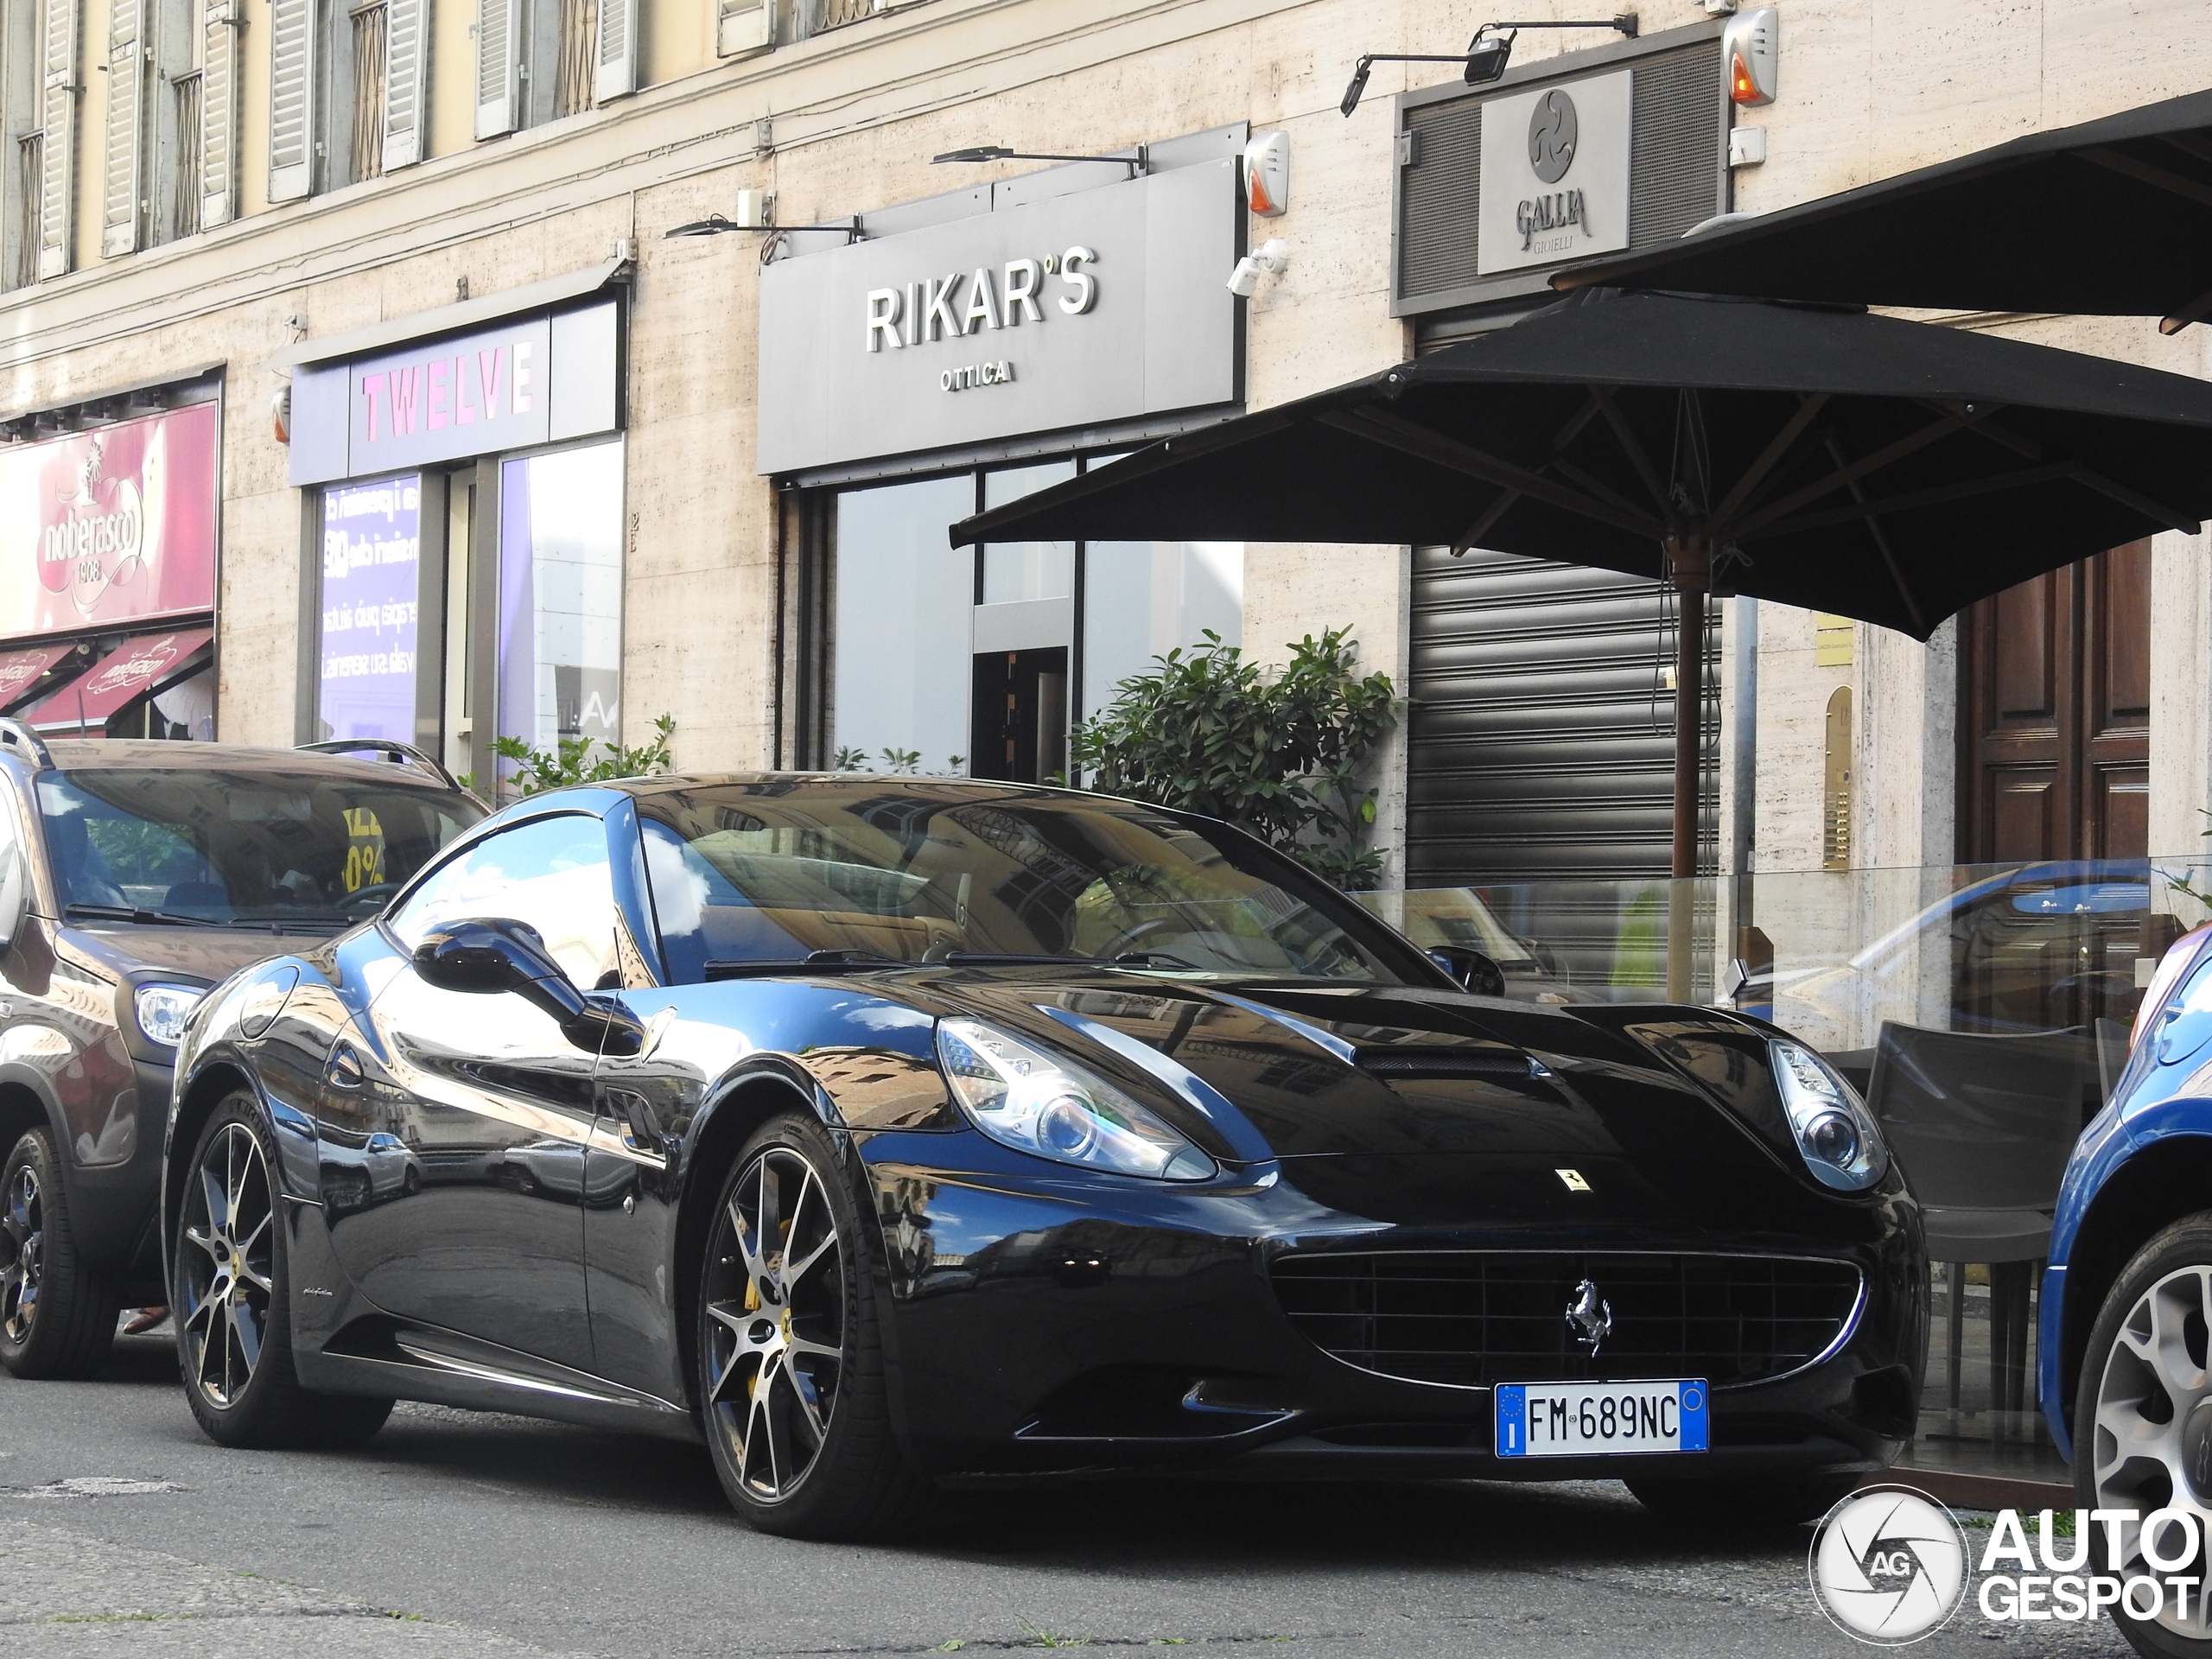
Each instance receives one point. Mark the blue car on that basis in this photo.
(2124, 1374)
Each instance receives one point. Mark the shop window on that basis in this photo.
(366, 638)
(560, 618)
(981, 660)
(901, 623)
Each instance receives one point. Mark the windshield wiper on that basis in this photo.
(133, 913)
(1015, 959)
(816, 959)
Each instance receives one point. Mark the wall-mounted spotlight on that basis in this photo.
(1271, 258)
(1137, 163)
(1486, 57)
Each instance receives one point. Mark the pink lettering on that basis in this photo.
(373, 386)
(521, 376)
(406, 390)
(436, 373)
(463, 410)
(487, 376)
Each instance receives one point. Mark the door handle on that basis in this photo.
(344, 1071)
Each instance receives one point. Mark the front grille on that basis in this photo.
(1470, 1318)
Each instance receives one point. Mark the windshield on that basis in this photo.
(209, 845)
(769, 873)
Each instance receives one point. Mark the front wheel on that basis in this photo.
(2143, 1426)
(57, 1316)
(234, 1328)
(791, 1357)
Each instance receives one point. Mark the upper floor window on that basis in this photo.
(537, 61)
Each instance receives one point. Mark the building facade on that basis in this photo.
(352, 383)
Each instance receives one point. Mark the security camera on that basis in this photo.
(1272, 259)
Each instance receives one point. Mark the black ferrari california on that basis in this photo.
(876, 1129)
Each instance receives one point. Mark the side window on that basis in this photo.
(552, 873)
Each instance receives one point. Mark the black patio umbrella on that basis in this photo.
(2110, 218)
(1891, 471)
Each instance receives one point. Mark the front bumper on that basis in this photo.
(1031, 1331)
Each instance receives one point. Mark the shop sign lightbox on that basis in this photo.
(1103, 305)
(531, 380)
(1555, 174)
(112, 525)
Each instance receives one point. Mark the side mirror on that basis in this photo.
(485, 956)
(1473, 970)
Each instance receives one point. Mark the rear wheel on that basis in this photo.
(234, 1328)
(57, 1316)
(791, 1356)
(2143, 1425)
(1745, 1501)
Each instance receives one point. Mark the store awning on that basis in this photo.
(2110, 218)
(132, 670)
(375, 337)
(21, 670)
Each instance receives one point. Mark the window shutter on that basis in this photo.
(126, 121)
(58, 106)
(498, 60)
(741, 26)
(219, 105)
(291, 99)
(617, 74)
(405, 59)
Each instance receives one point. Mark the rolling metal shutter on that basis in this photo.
(1543, 735)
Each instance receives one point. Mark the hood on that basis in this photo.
(1433, 1107)
(128, 951)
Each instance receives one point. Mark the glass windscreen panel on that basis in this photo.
(213, 845)
(753, 873)
(561, 597)
(904, 600)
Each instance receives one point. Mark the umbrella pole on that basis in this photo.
(1689, 567)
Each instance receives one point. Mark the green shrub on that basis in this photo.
(574, 762)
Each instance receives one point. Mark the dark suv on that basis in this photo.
(133, 877)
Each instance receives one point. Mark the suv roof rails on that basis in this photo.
(403, 754)
(16, 735)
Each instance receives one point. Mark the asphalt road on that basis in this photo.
(122, 1531)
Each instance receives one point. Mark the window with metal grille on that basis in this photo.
(835, 14)
(191, 155)
(572, 86)
(371, 37)
(30, 170)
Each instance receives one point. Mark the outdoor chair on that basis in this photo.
(1982, 1125)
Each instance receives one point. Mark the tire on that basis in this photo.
(2133, 1386)
(57, 1316)
(1745, 1501)
(230, 1296)
(791, 1384)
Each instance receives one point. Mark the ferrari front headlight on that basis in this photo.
(1836, 1134)
(1035, 1102)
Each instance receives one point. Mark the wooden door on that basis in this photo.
(2054, 714)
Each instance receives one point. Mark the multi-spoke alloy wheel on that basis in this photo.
(57, 1315)
(776, 1314)
(227, 1272)
(22, 1239)
(2144, 1426)
(234, 1329)
(790, 1379)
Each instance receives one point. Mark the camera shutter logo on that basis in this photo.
(1888, 1565)
(1553, 131)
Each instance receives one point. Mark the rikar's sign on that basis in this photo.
(1555, 175)
(116, 524)
(1102, 305)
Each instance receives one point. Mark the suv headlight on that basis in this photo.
(1836, 1134)
(161, 1010)
(1036, 1102)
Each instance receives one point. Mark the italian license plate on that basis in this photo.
(1586, 1420)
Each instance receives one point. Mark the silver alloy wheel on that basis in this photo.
(2153, 1425)
(226, 1272)
(22, 1245)
(775, 1323)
